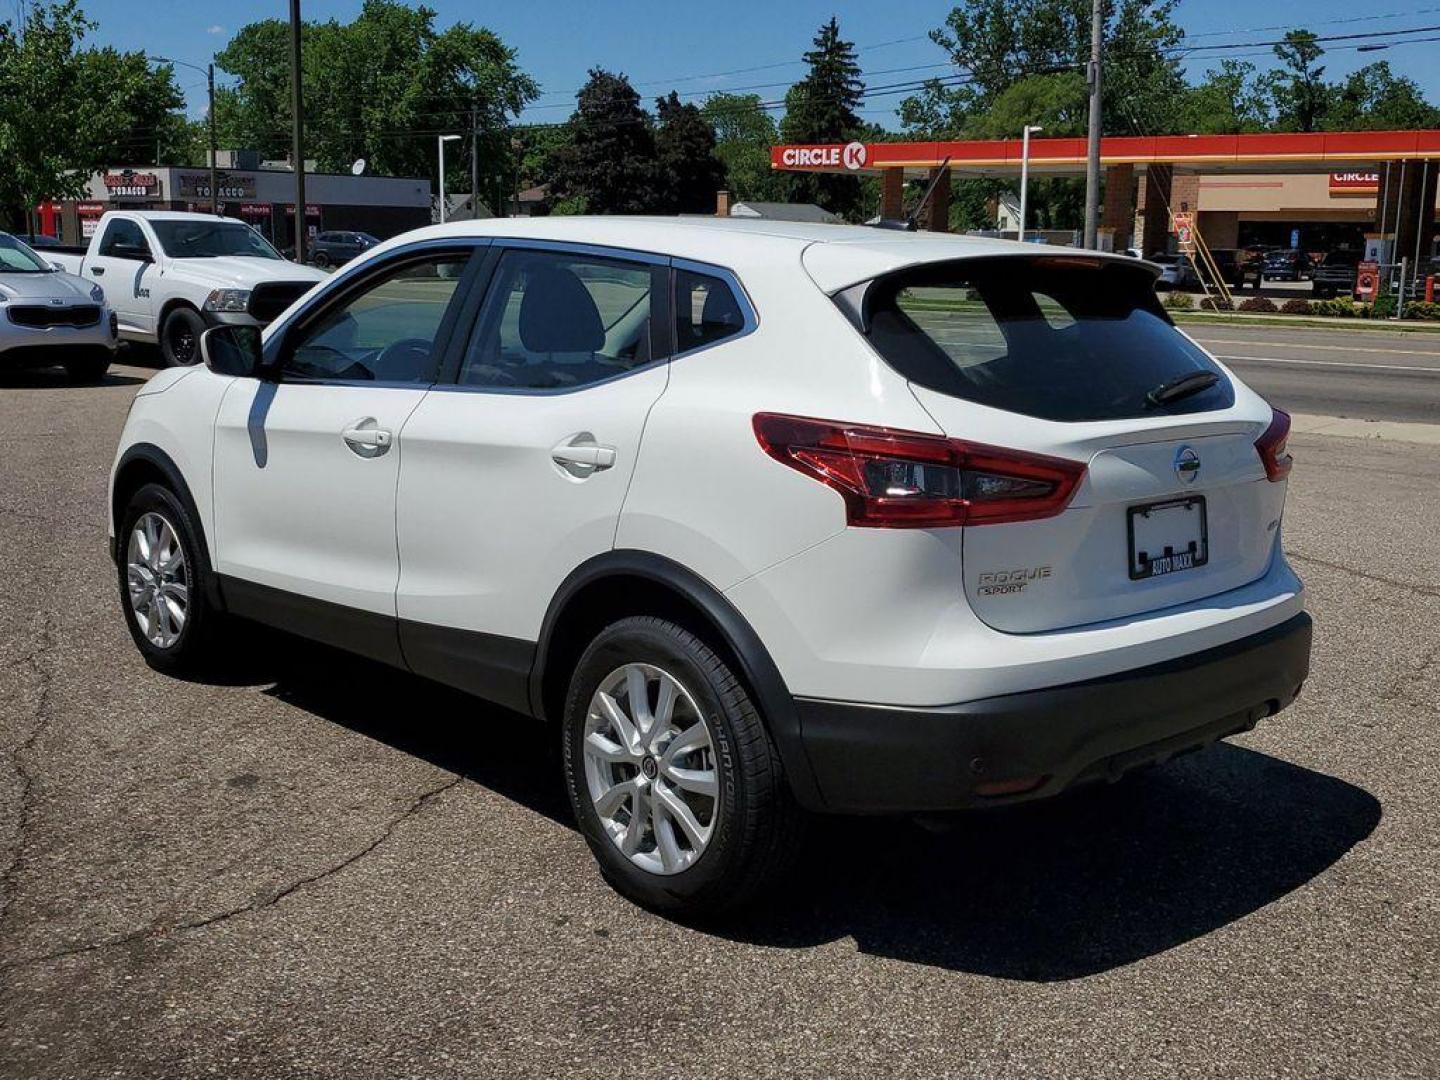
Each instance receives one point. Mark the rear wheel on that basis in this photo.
(180, 337)
(321, 260)
(674, 780)
(163, 583)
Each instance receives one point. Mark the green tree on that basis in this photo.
(67, 111)
(380, 87)
(687, 168)
(1229, 99)
(1374, 98)
(609, 166)
(1298, 88)
(820, 108)
(744, 133)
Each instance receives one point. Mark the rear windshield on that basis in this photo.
(1055, 337)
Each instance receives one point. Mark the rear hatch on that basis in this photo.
(1071, 357)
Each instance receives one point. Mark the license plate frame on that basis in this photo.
(1145, 565)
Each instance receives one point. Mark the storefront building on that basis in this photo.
(264, 198)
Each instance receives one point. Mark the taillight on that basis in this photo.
(909, 480)
(1274, 454)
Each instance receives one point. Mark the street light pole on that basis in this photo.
(1030, 129)
(1092, 156)
(441, 141)
(298, 144)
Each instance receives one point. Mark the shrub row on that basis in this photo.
(1341, 307)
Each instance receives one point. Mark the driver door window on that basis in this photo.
(124, 240)
(387, 333)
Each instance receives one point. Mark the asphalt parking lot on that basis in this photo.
(320, 868)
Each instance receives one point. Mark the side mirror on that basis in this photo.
(232, 350)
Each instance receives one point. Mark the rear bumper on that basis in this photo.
(878, 759)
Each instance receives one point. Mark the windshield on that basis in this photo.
(1059, 337)
(17, 258)
(207, 239)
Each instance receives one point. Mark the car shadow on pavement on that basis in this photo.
(1043, 892)
(56, 379)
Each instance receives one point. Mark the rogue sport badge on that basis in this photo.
(1187, 464)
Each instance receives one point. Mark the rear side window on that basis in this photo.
(706, 311)
(1058, 338)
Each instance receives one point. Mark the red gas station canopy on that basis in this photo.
(999, 157)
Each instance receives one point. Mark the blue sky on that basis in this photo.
(697, 47)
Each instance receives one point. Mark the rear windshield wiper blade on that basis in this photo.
(1182, 386)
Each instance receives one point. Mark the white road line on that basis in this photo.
(1326, 348)
(1332, 363)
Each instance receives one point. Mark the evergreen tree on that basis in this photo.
(688, 170)
(820, 108)
(1298, 88)
(609, 165)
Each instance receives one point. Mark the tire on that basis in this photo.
(321, 260)
(194, 648)
(754, 825)
(89, 369)
(180, 337)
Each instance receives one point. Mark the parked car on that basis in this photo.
(1286, 264)
(334, 248)
(170, 275)
(51, 318)
(1336, 275)
(40, 240)
(735, 506)
(1239, 266)
(1176, 272)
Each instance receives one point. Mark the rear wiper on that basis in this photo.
(1182, 386)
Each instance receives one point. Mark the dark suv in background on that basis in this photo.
(1287, 264)
(1336, 274)
(1238, 267)
(334, 248)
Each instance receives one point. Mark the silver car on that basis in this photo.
(51, 318)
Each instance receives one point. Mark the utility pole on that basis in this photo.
(214, 149)
(474, 164)
(297, 150)
(1092, 161)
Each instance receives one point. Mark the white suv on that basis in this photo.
(768, 518)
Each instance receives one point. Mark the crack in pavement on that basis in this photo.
(153, 930)
(9, 881)
(1379, 579)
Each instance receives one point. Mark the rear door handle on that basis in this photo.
(97, 270)
(581, 455)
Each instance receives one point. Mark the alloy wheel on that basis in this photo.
(158, 581)
(650, 768)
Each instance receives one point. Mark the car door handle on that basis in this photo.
(581, 455)
(97, 270)
(366, 439)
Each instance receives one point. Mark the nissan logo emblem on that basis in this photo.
(1187, 464)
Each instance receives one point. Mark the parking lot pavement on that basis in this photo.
(323, 869)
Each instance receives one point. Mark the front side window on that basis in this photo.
(706, 311)
(124, 240)
(1059, 338)
(555, 321)
(189, 239)
(387, 332)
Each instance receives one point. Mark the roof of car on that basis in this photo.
(836, 256)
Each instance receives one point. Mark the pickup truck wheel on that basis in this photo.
(163, 583)
(180, 337)
(674, 780)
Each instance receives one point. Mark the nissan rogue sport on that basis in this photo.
(770, 519)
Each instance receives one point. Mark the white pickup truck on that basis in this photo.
(168, 276)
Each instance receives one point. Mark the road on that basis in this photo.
(317, 868)
(1364, 374)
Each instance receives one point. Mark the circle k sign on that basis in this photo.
(855, 155)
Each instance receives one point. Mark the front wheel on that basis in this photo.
(163, 583)
(180, 337)
(674, 780)
(321, 260)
